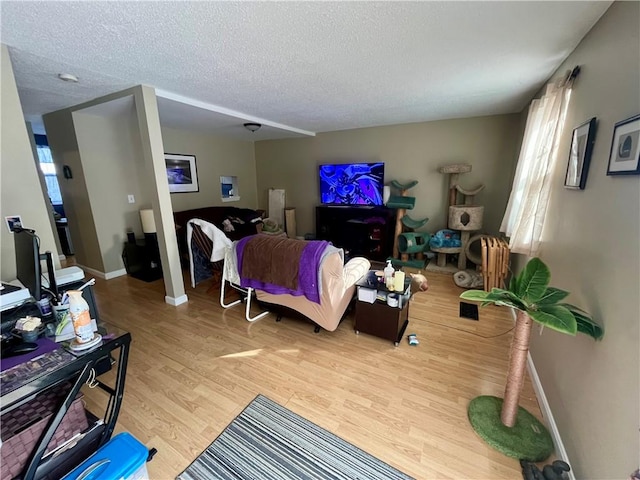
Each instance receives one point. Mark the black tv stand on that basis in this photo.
(365, 231)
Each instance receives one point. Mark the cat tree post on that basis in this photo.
(463, 216)
(454, 172)
(399, 214)
(466, 218)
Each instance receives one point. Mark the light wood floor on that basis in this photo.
(193, 368)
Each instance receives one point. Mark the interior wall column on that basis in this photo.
(153, 158)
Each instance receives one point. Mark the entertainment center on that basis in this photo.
(359, 230)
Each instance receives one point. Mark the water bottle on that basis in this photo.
(79, 311)
(388, 275)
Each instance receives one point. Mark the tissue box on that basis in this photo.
(367, 295)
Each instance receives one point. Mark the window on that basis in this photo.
(524, 218)
(48, 169)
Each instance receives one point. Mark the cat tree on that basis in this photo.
(408, 245)
(462, 214)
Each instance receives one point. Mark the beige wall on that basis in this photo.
(21, 191)
(215, 157)
(410, 152)
(117, 151)
(111, 157)
(592, 245)
(63, 143)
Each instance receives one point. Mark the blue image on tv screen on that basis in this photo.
(352, 184)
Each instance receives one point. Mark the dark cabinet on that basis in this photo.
(142, 258)
(360, 231)
(65, 237)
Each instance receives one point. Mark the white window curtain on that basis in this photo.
(524, 218)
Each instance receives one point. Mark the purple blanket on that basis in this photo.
(307, 272)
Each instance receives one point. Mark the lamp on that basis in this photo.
(252, 127)
(148, 222)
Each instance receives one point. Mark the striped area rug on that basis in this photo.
(267, 441)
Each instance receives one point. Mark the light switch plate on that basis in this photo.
(131, 198)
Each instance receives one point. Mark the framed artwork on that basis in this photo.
(181, 172)
(624, 158)
(13, 222)
(582, 141)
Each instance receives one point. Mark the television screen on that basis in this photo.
(352, 183)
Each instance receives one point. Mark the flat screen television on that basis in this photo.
(352, 184)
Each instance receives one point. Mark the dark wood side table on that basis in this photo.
(378, 318)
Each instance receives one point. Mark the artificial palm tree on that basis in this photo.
(534, 300)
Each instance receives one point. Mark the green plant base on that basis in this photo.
(528, 439)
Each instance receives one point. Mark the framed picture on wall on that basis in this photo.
(624, 158)
(13, 222)
(181, 172)
(582, 141)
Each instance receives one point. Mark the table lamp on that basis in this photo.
(148, 222)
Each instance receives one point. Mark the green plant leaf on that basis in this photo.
(552, 296)
(555, 317)
(474, 295)
(505, 297)
(573, 308)
(513, 284)
(532, 281)
(497, 296)
(585, 323)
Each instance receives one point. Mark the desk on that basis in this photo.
(9, 317)
(77, 370)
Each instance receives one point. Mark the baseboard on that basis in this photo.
(93, 272)
(102, 275)
(177, 300)
(62, 257)
(547, 414)
(115, 273)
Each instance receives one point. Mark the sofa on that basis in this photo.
(335, 279)
(244, 221)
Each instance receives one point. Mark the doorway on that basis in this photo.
(48, 169)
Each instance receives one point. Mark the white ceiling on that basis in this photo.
(296, 66)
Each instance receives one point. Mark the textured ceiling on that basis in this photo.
(315, 66)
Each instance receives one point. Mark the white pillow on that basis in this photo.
(354, 270)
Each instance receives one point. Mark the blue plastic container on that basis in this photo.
(122, 457)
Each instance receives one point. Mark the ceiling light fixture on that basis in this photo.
(252, 127)
(67, 77)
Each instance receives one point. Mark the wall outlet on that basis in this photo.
(131, 198)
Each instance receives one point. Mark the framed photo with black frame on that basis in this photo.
(181, 172)
(582, 140)
(624, 158)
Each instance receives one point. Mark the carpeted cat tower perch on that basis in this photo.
(409, 244)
